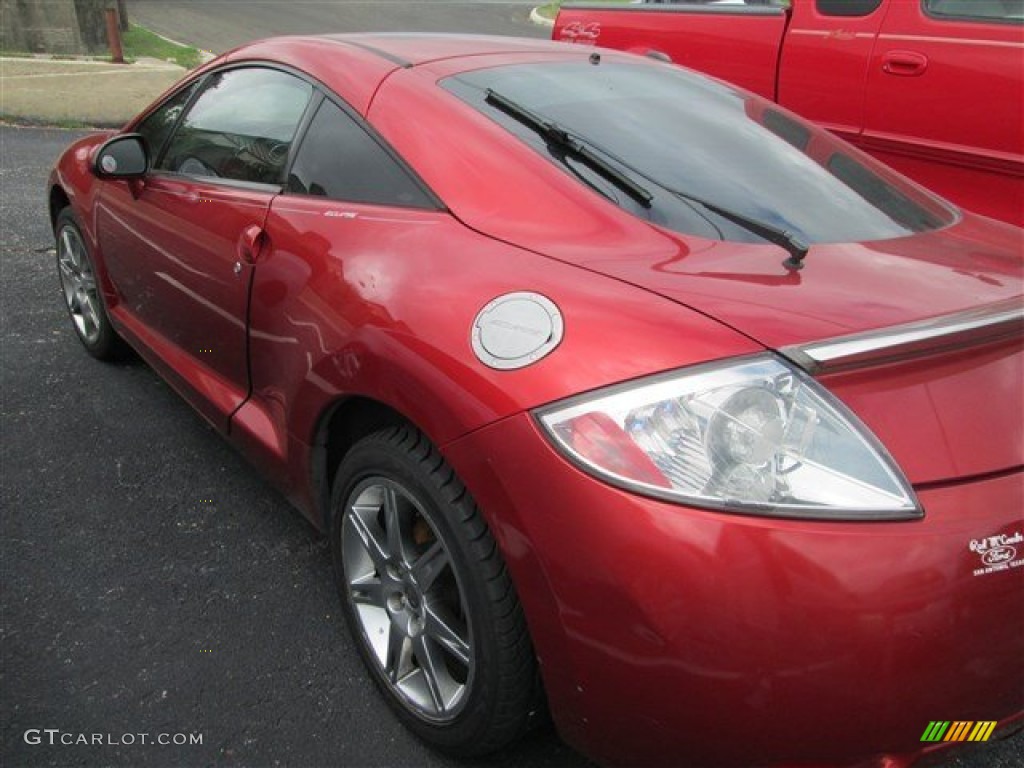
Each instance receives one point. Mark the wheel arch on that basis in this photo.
(341, 425)
(369, 381)
(58, 201)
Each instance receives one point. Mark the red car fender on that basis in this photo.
(321, 331)
(72, 179)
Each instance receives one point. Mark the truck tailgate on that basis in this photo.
(737, 43)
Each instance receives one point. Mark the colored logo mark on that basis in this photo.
(958, 730)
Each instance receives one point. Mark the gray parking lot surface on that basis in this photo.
(151, 583)
(217, 25)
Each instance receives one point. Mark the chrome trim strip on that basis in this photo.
(952, 40)
(984, 325)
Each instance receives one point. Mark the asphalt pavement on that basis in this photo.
(218, 25)
(150, 581)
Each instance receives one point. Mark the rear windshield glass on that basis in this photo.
(689, 141)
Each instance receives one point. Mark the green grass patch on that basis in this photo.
(550, 10)
(139, 41)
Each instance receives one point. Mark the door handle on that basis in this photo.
(250, 242)
(904, 63)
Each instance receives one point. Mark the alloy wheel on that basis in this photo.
(407, 599)
(78, 281)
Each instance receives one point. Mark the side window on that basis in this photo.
(787, 129)
(158, 126)
(847, 7)
(241, 127)
(338, 159)
(976, 10)
(881, 194)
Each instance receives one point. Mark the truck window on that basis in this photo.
(781, 3)
(1005, 11)
(847, 7)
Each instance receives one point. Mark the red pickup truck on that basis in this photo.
(934, 88)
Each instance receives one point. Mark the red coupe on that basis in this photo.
(619, 392)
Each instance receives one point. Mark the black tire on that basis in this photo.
(499, 697)
(80, 288)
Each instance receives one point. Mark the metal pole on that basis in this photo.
(114, 36)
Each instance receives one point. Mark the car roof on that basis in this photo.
(413, 49)
(354, 65)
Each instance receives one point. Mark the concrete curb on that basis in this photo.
(540, 21)
(42, 62)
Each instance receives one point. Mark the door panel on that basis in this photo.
(824, 68)
(181, 243)
(172, 247)
(738, 43)
(962, 109)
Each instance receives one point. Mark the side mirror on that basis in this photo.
(123, 157)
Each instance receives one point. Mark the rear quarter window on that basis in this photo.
(340, 160)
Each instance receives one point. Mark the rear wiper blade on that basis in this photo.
(559, 137)
(783, 238)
